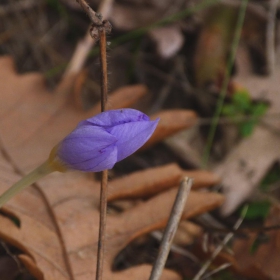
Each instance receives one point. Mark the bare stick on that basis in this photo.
(95, 18)
(104, 181)
(103, 62)
(98, 30)
(171, 227)
(102, 225)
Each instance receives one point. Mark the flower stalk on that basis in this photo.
(38, 173)
(104, 180)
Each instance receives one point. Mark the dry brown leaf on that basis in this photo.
(171, 121)
(59, 215)
(202, 178)
(154, 180)
(75, 204)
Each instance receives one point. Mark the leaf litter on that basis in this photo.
(58, 216)
(33, 119)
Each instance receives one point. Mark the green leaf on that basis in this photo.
(257, 210)
(259, 109)
(242, 106)
(246, 129)
(242, 100)
(229, 110)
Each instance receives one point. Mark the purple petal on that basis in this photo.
(100, 162)
(86, 147)
(116, 117)
(99, 142)
(131, 136)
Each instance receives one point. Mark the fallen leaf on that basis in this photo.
(154, 180)
(58, 216)
(171, 121)
(75, 206)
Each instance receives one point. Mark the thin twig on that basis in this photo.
(95, 18)
(171, 227)
(98, 30)
(102, 225)
(104, 181)
(227, 238)
(103, 62)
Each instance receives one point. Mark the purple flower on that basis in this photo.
(99, 142)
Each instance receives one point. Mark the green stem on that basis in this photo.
(26, 181)
(236, 39)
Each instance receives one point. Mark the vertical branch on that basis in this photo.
(103, 62)
(102, 225)
(104, 181)
(98, 31)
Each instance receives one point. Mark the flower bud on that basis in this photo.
(99, 142)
